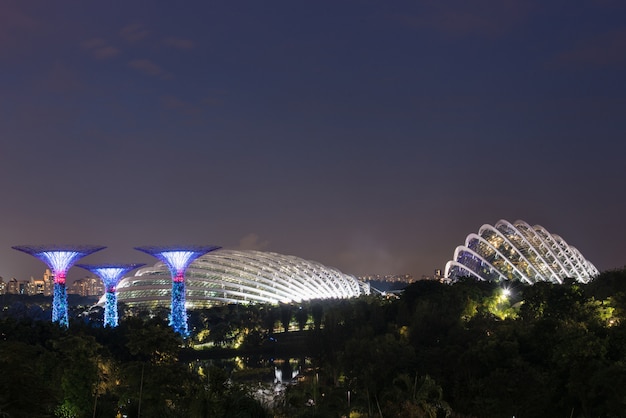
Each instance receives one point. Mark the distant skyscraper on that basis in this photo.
(87, 286)
(177, 260)
(110, 274)
(59, 259)
(13, 287)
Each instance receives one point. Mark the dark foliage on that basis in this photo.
(462, 350)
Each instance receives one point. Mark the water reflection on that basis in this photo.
(256, 368)
(267, 378)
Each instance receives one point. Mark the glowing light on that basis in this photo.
(110, 275)
(506, 292)
(177, 260)
(59, 305)
(59, 260)
(59, 278)
(231, 276)
(110, 310)
(178, 313)
(520, 252)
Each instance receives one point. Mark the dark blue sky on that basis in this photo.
(367, 135)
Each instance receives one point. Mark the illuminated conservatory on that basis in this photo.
(231, 276)
(518, 252)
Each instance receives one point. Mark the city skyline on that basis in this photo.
(369, 137)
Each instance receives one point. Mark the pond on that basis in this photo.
(266, 377)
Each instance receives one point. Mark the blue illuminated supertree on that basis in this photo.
(177, 260)
(111, 274)
(59, 259)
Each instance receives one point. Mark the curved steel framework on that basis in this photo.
(177, 260)
(110, 274)
(59, 259)
(231, 276)
(518, 252)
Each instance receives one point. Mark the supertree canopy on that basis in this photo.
(110, 274)
(177, 260)
(59, 259)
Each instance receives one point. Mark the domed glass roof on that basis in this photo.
(518, 252)
(232, 276)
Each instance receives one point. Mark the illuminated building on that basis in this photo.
(392, 278)
(16, 287)
(38, 287)
(59, 259)
(87, 286)
(30, 287)
(110, 274)
(177, 260)
(27, 287)
(518, 252)
(233, 276)
(48, 283)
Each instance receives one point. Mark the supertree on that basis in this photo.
(59, 259)
(111, 274)
(177, 260)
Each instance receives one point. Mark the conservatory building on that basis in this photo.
(518, 252)
(237, 276)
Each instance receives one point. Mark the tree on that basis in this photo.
(79, 357)
(375, 362)
(27, 374)
(285, 315)
(317, 311)
(302, 316)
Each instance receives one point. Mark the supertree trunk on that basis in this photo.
(110, 309)
(178, 315)
(59, 305)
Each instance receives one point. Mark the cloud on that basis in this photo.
(99, 48)
(609, 3)
(150, 68)
(188, 112)
(106, 52)
(212, 101)
(193, 109)
(187, 108)
(171, 102)
(252, 242)
(603, 50)
(62, 80)
(14, 22)
(367, 255)
(93, 43)
(134, 32)
(463, 18)
(178, 43)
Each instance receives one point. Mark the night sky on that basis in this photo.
(371, 136)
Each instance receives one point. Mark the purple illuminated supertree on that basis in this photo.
(59, 259)
(177, 260)
(111, 274)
